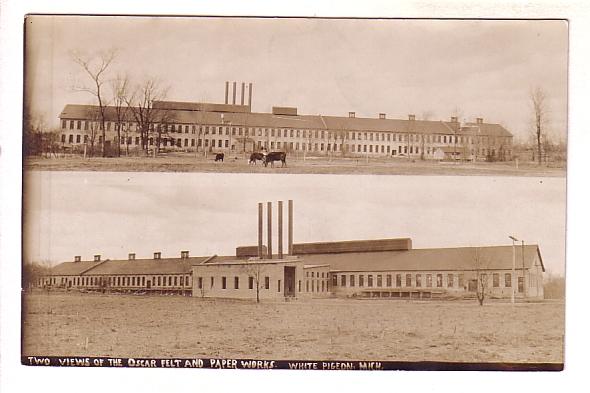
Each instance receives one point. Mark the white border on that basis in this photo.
(19, 378)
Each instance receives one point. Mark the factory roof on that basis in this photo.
(239, 115)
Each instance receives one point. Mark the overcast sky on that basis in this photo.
(87, 213)
(476, 68)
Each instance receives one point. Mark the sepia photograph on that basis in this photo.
(294, 193)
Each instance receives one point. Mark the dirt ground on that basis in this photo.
(61, 324)
(311, 165)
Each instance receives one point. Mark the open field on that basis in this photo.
(61, 324)
(311, 165)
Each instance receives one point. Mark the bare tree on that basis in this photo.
(255, 271)
(120, 86)
(95, 67)
(141, 105)
(32, 272)
(540, 113)
(481, 276)
(93, 116)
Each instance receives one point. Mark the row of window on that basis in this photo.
(292, 133)
(120, 281)
(388, 280)
(315, 285)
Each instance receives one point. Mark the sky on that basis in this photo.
(470, 68)
(87, 213)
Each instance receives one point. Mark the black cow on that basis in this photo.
(219, 157)
(256, 157)
(275, 156)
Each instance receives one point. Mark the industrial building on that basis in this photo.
(382, 268)
(234, 128)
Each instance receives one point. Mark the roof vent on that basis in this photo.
(97, 258)
(131, 256)
(454, 119)
(382, 115)
(184, 254)
(158, 255)
(351, 114)
(77, 258)
(479, 120)
(412, 117)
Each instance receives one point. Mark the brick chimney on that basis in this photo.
(382, 115)
(411, 117)
(351, 114)
(184, 254)
(131, 256)
(157, 255)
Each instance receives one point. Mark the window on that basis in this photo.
(450, 280)
(267, 282)
(223, 282)
(496, 280)
(429, 280)
(370, 280)
(361, 280)
(306, 285)
(388, 280)
(343, 280)
(351, 280)
(461, 278)
(508, 280)
(398, 280)
(71, 138)
(63, 124)
(334, 280)
(379, 280)
(175, 281)
(418, 280)
(439, 280)
(408, 280)
(250, 282)
(159, 280)
(212, 281)
(236, 282)
(200, 282)
(279, 286)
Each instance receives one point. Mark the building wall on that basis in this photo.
(225, 138)
(316, 282)
(131, 282)
(219, 280)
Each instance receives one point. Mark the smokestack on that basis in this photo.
(260, 207)
(290, 227)
(226, 92)
(269, 227)
(280, 229)
(250, 96)
(234, 94)
(242, 98)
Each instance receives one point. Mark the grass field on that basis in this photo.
(312, 165)
(61, 324)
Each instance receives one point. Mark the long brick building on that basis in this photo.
(231, 127)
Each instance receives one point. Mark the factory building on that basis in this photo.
(380, 268)
(234, 128)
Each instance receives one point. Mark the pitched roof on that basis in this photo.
(72, 268)
(429, 259)
(208, 113)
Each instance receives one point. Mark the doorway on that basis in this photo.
(472, 285)
(289, 280)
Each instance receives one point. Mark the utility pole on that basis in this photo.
(513, 265)
(523, 273)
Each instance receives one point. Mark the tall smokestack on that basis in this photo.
(234, 94)
(260, 207)
(242, 92)
(226, 92)
(290, 227)
(280, 229)
(269, 227)
(250, 95)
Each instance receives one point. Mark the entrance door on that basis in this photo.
(520, 284)
(289, 280)
(149, 284)
(472, 286)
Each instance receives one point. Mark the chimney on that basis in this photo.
(280, 229)
(411, 117)
(454, 119)
(157, 255)
(382, 115)
(97, 258)
(131, 256)
(260, 208)
(290, 228)
(479, 120)
(269, 228)
(351, 114)
(184, 254)
(77, 258)
(250, 96)
(226, 92)
(242, 98)
(234, 94)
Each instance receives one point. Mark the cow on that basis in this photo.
(256, 157)
(275, 156)
(219, 157)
